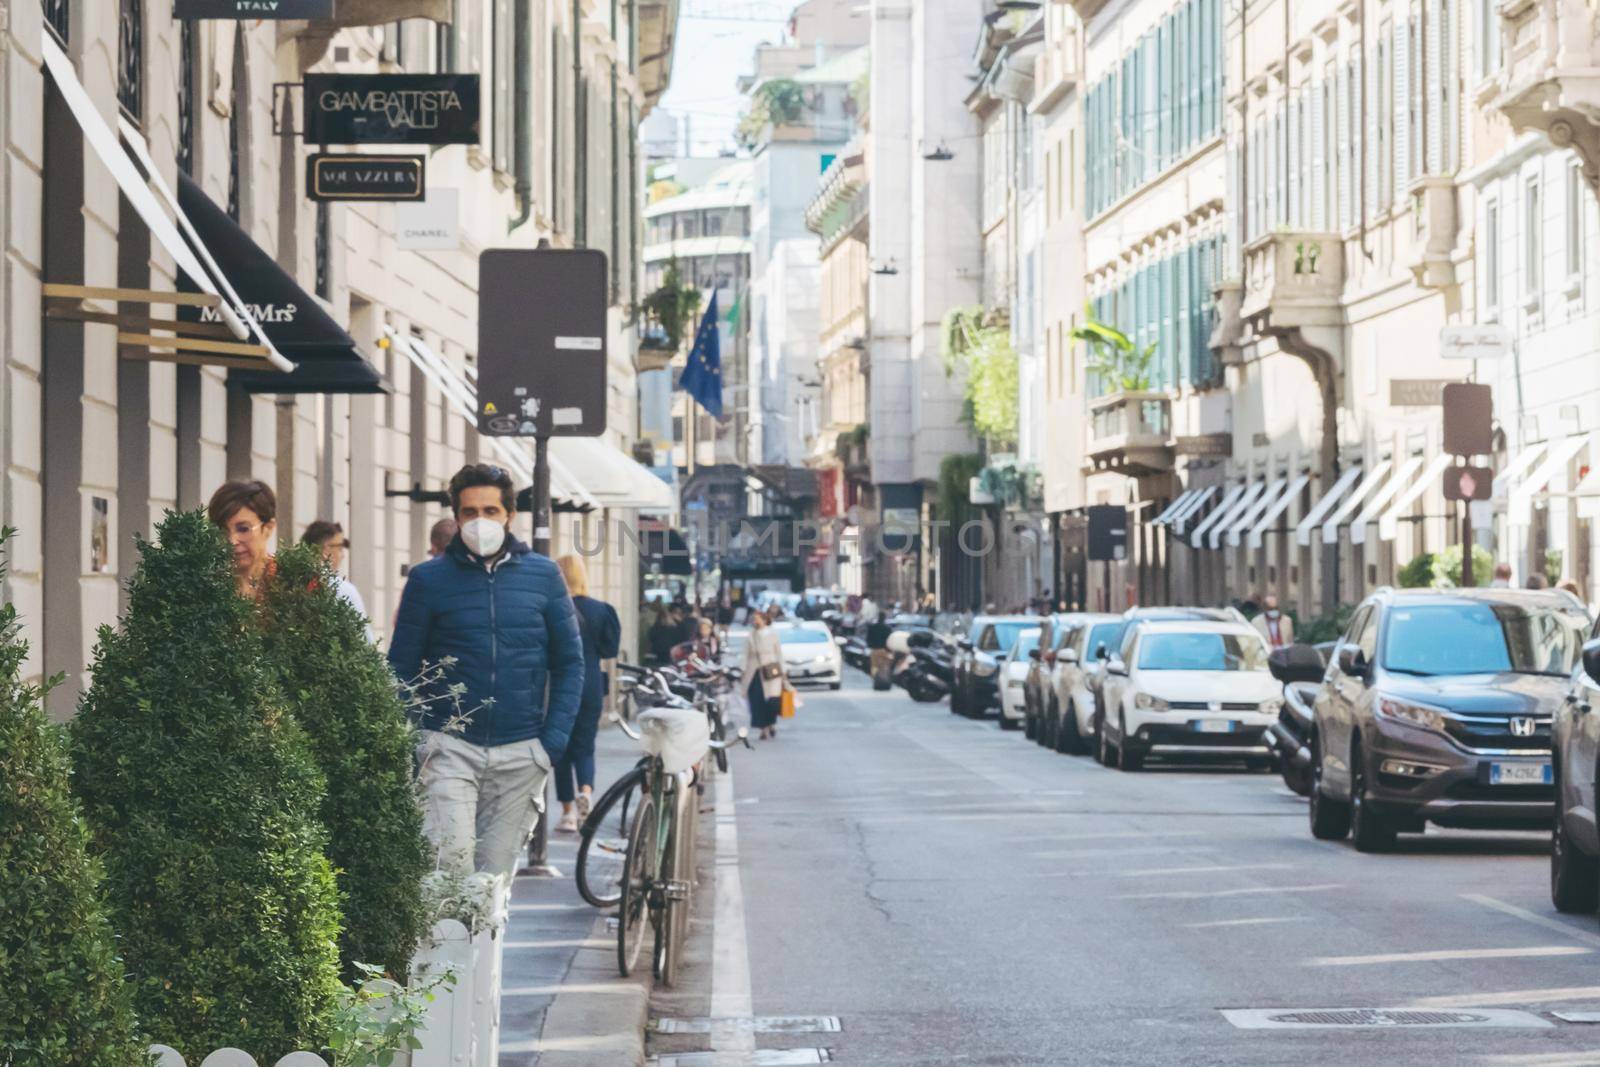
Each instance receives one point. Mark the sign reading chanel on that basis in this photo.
(355, 177)
(252, 9)
(391, 108)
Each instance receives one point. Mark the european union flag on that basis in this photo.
(702, 378)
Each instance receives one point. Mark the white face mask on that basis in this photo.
(483, 537)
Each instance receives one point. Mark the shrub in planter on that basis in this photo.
(65, 1004)
(344, 697)
(202, 798)
(1418, 574)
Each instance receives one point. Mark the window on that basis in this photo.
(1574, 226)
(1202, 652)
(1482, 639)
(502, 105)
(130, 59)
(1488, 37)
(186, 94)
(444, 49)
(1531, 226)
(1386, 107)
(1491, 257)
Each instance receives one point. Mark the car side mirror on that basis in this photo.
(1591, 660)
(1353, 662)
(1114, 665)
(1035, 655)
(1296, 663)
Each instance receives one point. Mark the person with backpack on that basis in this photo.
(601, 632)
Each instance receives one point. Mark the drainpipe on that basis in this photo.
(580, 134)
(522, 95)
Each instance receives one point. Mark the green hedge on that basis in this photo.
(345, 699)
(64, 1002)
(202, 798)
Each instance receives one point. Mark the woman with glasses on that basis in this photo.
(247, 515)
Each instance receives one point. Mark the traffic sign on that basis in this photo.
(1468, 483)
(1108, 532)
(1468, 419)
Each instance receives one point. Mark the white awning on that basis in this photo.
(103, 142)
(1369, 484)
(1519, 507)
(1587, 493)
(1270, 515)
(1389, 523)
(1223, 507)
(616, 480)
(1246, 518)
(1380, 499)
(1516, 470)
(1302, 532)
(1248, 497)
(1175, 508)
(1191, 509)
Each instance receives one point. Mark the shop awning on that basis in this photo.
(1389, 523)
(1380, 500)
(1252, 492)
(1302, 532)
(1279, 506)
(1191, 509)
(325, 357)
(1519, 505)
(1517, 470)
(1587, 493)
(614, 479)
(1223, 507)
(1247, 517)
(1176, 507)
(1369, 485)
(230, 338)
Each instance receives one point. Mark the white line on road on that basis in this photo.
(1567, 929)
(1449, 954)
(730, 958)
(1566, 994)
(1263, 921)
(1082, 853)
(1203, 894)
(1151, 872)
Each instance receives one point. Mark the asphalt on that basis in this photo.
(952, 893)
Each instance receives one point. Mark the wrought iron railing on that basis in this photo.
(130, 59)
(57, 15)
(186, 66)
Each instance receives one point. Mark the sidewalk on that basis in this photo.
(561, 1001)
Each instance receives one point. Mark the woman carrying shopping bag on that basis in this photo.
(763, 667)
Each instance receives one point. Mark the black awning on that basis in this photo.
(325, 356)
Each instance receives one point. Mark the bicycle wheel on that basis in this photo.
(636, 885)
(603, 845)
(669, 939)
(719, 733)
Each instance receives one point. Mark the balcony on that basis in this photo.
(1131, 433)
(1551, 75)
(1433, 206)
(1292, 280)
(1054, 73)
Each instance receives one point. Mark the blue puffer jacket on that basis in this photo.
(509, 627)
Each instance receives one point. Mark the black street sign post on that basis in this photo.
(391, 109)
(1108, 540)
(1468, 432)
(252, 9)
(332, 176)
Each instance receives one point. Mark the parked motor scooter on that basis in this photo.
(1300, 668)
(917, 667)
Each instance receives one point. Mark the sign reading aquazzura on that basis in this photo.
(252, 9)
(334, 176)
(391, 108)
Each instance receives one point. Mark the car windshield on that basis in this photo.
(1106, 635)
(803, 637)
(1026, 642)
(1202, 652)
(1482, 639)
(1006, 633)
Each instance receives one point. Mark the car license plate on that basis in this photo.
(1520, 774)
(1214, 726)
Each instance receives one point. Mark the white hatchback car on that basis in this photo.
(1014, 678)
(1188, 689)
(810, 656)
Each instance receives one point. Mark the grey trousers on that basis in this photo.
(480, 802)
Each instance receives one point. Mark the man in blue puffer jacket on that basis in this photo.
(488, 639)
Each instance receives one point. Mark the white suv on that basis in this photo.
(1190, 689)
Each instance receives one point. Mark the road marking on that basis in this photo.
(1202, 894)
(1151, 872)
(1577, 934)
(1157, 850)
(551, 907)
(584, 942)
(730, 957)
(1549, 1059)
(1512, 996)
(1449, 954)
(1378, 1019)
(761, 1024)
(1264, 921)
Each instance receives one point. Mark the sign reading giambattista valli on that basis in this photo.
(333, 176)
(252, 9)
(391, 108)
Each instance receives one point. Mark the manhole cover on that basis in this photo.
(1378, 1018)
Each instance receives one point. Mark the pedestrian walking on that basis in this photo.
(1272, 624)
(1537, 581)
(764, 674)
(483, 630)
(663, 635)
(330, 537)
(440, 536)
(601, 632)
(705, 644)
(1502, 576)
(878, 631)
(247, 514)
(1568, 585)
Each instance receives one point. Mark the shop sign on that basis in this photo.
(429, 225)
(1417, 392)
(333, 176)
(391, 108)
(1487, 341)
(252, 9)
(1207, 444)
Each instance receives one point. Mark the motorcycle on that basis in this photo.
(921, 667)
(1300, 668)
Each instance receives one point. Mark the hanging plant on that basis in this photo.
(669, 311)
(978, 344)
(1120, 365)
(780, 102)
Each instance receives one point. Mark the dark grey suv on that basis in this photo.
(1437, 708)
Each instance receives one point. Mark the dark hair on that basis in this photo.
(232, 497)
(476, 474)
(321, 532)
(443, 532)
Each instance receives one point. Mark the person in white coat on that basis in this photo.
(766, 679)
(1273, 625)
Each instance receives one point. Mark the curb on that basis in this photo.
(600, 1022)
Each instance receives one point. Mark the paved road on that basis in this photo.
(953, 893)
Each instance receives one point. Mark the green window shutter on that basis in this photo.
(1185, 333)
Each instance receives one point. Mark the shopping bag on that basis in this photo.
(786, 704)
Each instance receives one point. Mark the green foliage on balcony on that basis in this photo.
(780, 102)
(669, 312)
(1014, 485)
(955, 478)
(978, 343)
(1115, 361)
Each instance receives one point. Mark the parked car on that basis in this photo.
(1014, 676)
(977, 670)
(1067, 718)
(1053, 633)
(810, 656)
(1575, 837)
(1438, 708)
(1192, 688)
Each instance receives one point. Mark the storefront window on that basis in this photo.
(130, 59)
